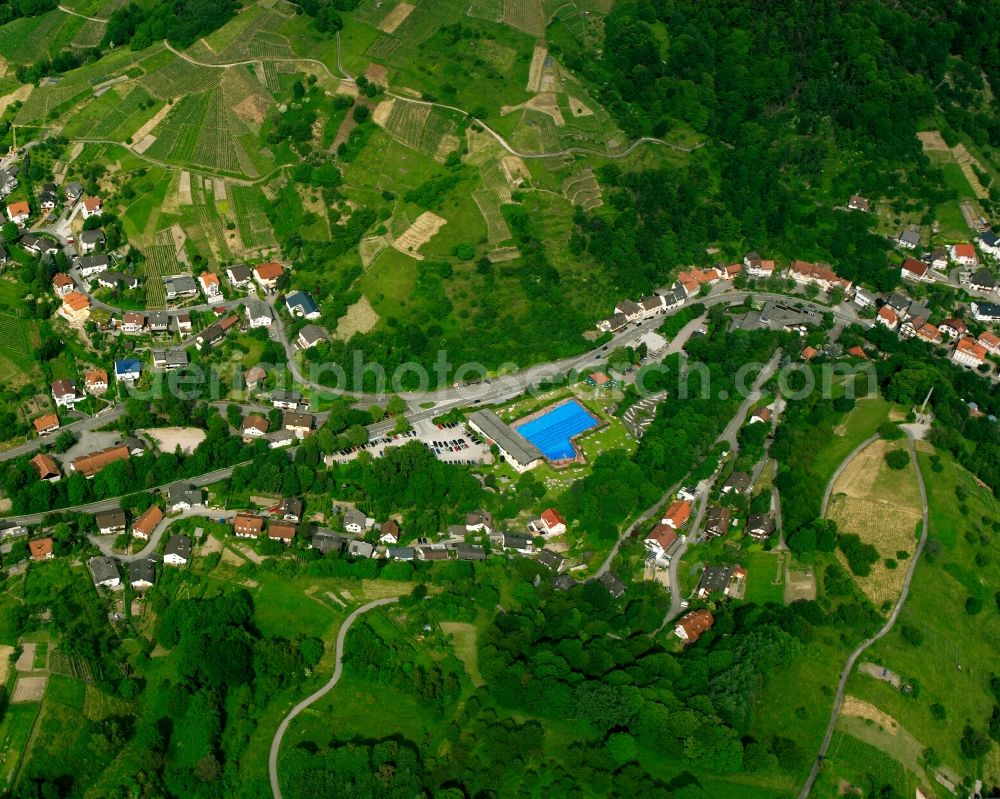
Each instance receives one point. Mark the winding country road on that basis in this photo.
(500, 139)
(849, 666)
(272, 760)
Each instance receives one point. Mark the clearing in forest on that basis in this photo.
(882, 506)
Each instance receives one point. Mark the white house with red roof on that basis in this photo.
(990, 341)
(968, 352)
(549, 523)
(916, 271)
(91, 207)
(952, 328)
(210, 287)
(805, 273)
(964, 254)
(62, 284)
(677, 514)
(267, 274)
(888, 317)
(19, 212)
(659, 540)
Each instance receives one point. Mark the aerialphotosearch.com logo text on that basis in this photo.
(474, 382)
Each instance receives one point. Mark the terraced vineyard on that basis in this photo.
(30, 39)
(251, 220)
(180, 78)
(127, 115)
(14, 342)
(45, 99)
(161, 259)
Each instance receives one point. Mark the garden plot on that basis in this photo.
(423, 229)
(882, 506)
(45, 99)
(525, 15)
(499, 56)
(29, 689)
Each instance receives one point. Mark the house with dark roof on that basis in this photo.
(360, 549)
(326, 541)
(512, 542)
(183, 496)
(389, 532)
(717, 521)
(737, 482)
(142, 574)
(311, 335)
(104, 571)
(469, 552)
(110, 522)
(291, 509)
(301, 303)
(177, 551)
(714, 580)
(759, 526)
(551, 560)
(612, 584)
(520, 453)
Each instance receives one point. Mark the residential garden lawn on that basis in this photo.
(953, 227)
(957, 655)
(762, 568)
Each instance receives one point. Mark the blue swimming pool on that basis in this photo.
(551, 432)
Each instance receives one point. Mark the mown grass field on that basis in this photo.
(882, 506)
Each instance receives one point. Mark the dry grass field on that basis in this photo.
(423, 229)
(882, 506)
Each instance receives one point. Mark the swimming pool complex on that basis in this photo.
(553, 431)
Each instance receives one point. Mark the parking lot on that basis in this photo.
(450, 443)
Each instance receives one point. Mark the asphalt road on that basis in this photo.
(272, 760)
(105, 542)
(114, 503)
(80, 426)
(849, 666)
